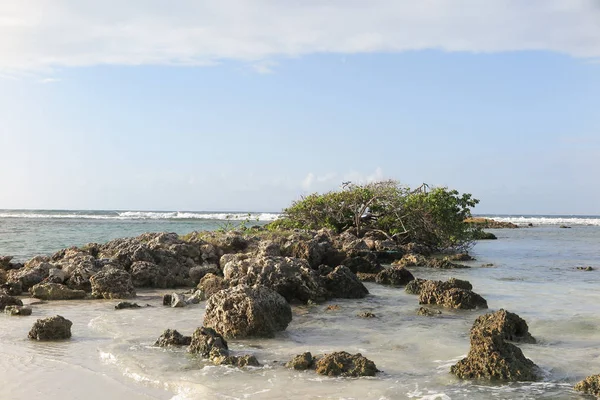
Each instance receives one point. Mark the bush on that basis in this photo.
(434, 217)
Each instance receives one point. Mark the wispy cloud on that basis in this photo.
(332, 180)
(49, 80)
(41, 34)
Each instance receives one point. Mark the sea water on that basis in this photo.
(533, 274)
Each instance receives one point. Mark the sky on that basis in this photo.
(248, 105)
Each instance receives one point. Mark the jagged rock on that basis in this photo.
(55, 291)
(5, 262)
(416, 248)
(394, 275)
(236, 361)
(52, 328)
(510, 326)
(590, 385)
(446, 294)
(178, 300)
(342, 283)
(333, 307)
(6, 300)
(34, 272)
(149, 274)
(367, 263)
(195, 297)
(125, 304)
(345, 364)
(200, 271)
(411, 260)
(366, 314)
(460, 257)
(17, 310)
(364, 277)
(56, 275)
(442, 263)
(211, 284)
(14, 288)
(269, 248)
(171, 337)
(290, 277)
(414, 286)
(492, 357)
(167, 299)
(315, 252)
(112, 283)
(301, 362)
(207, 342)
(244, 311)
(428, 312)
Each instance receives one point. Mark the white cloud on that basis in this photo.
(333, 180)
(43, 34)
(49, 80)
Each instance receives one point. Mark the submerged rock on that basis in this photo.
(55, 291)
(492, 357)
(451, 294)
(301, 362)
(125, 304)
(52, 328)
(366, 314)
(395, 275)
(342, 283)
(112, 283)
(171, 337)
(345, 364)
(244, 311)
(428, 312)
(206, 341)
(590, 385)
(18, 310)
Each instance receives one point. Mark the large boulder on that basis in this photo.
(244, 311)
(492, 357)
(52, 328)
(171, 337)
(447, 294)
(211, 284)
(149, 274)
(394, 275)
(290, 277)
(18, 310)
(55, 291)
(7, 300)
(509, 325)
(208, 343)
(345, 364)
(343, 283)
(34, 272)
(112, 283)
(590, 385)
(200, 271)
(366, 263)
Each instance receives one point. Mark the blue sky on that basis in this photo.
(250, 120)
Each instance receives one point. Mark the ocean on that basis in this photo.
(530, 271)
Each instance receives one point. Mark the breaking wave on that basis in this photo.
(137, 215)
(568, 220)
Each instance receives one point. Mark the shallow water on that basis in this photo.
(111, 353)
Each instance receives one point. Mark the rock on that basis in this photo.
(17, 310)
(414, 286)
(200, 271)
(151, 275)
(428, 312)
(301, 362)
(52, 328)
(488, 223)
(564, 227)
(208, 343)
(345, 364)
(442, 263)
(236, 361)
(460, 257)
(451, 294)
(125, 304)
(211, 284)
(56, 275)
(5, 262)
(34, 272)
(509, 325)
(6, 300)
(342, 283)
(417, 249)
(112, 283)
(55, 291)
(171, 337)
(588, 268)
(590, 385)
(411, 260)
(290, 277)
(364, 277)
(491, 357)
(269, 248)
(366, 263)
(178, 300)
(244, 311)
(481, 235)
(366, 314)
(167, 299)
(333, 307)
(196, 297)
(12, 288)
(394, 275)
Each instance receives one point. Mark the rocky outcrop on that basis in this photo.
(18, 310)
(342, 283)
(414, 286)
(34, 272)
(14, 288)
(345, 364)
(301, 362)
(211, 284)
(417, 260)
(52, 328)
(492, 357)
(290, 277)
(451, 294)
(244, 311)
(55, 291)
(151, 275)
(171, 337)
(509, 325)
(488, 223)
(6, 300)
(198, 272)
(590, 385)
(112, 283)
(367, 264)
(395, 275)
(210, 344)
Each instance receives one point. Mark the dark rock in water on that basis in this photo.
(367, 264)
(460, 257)
(345, 364)
(428, 312)
(414, 286)
(14, 288)
(112, 283)
(6, 300)
(171, 337)
(366, 314)
(55, 291)
(364, 277)
(451, 294)
(590, 385)
(34, 272)
(247, 360)
(207, 342)
(52, 328)
(564, 227)
(492, 357)
(290, 277)
(301, 362)
(125, 304)
(481, 235)
(442, 263)
(509, 325)
(5, 262)
(244, 311)
(167, 300)
(342, 283)
(149, 274)
(588, 268)
(18, 310)
(211, 284)
(395, 275)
